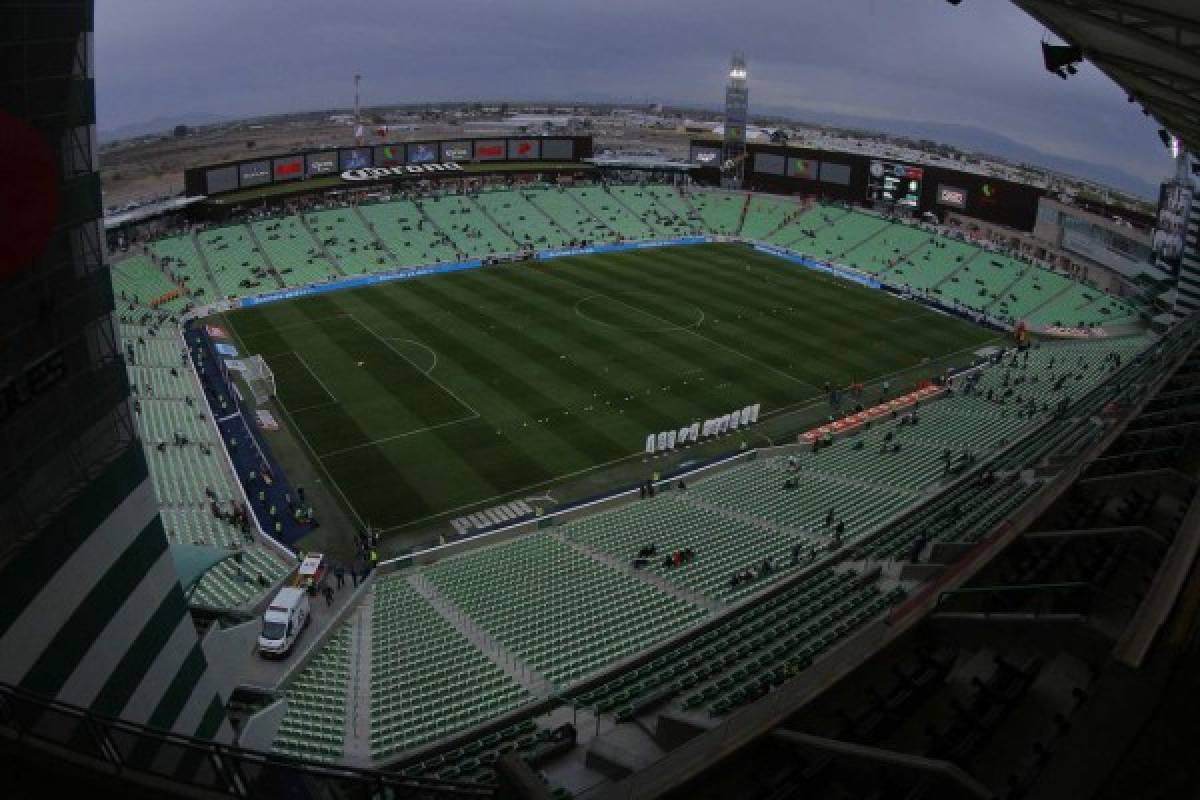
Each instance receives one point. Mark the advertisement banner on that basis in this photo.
(951, 196)
(354, 158)
(321, 163)
(490, 150)
(422, 152)
(457, 151)
(389, 155)
(523, 149)
(288, 169)
(805, 168)
(256, 173)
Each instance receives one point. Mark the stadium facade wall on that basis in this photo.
(992, 199)
(93, 613)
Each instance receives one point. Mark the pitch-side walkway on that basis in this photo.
(358, 689)
(521, 672)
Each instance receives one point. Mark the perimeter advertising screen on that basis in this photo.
(835, 173)
(321, 163)
(456, 151)
(706, 156)
(952, 196)
(523, 149)
(769, 163)
(807, 168)
(557, 149)
(221, 179)
(422, 152)
(288, 169)
(255, 173)
(892, 183)
(389, 155)
(354, 158)
(490, 150)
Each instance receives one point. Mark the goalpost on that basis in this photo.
(260, 379)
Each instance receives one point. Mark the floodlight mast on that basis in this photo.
(737, 100)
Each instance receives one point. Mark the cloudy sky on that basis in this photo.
(975, 64)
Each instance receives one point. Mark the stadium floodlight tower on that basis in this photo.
(737, 102)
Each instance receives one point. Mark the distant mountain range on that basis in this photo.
(973, 139)
(164, 124)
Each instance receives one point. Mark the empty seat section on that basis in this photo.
(473, 234)
(293, 252)
(347, 240)
(427, 679)
(402, 226)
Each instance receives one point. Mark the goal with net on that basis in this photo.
(259, 378)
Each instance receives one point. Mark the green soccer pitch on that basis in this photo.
(434, 396)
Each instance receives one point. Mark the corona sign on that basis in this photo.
(374, 173)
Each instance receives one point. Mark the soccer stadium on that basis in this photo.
(498, 466)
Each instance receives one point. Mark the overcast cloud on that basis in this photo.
(975, 64)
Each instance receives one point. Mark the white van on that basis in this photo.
(283, 621)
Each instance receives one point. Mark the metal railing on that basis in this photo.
(39, 729)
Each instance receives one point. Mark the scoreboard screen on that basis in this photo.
(893, 184)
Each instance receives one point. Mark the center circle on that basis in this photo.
(614, 311)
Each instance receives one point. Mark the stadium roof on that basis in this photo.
(193, 560)
(148, 211)
(639, 162)
(1151, 48)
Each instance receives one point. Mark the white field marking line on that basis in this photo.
(692, 332)
(304, 439)
(314, 406)
(319, 463)
(419, 343)
(426, 429)
(438, 383)
(316, 377)
(579, 313)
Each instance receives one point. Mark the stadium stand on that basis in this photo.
(765, 215)
(290, 249)
(190, 480)
(718, 543)
(523, 221)
(427, 679)
(642, 201)
(737, 659)
(602, 204)
(236, 263)
(413, 239)
(348, 242)
(929, 265)
(470, 230)
(138, 280)
(841, 233)
(314, 726)
(672, 201)
(561, 612)
(877, 254)
(720, 212)
(177, 257)
(565, 212)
